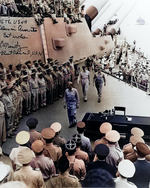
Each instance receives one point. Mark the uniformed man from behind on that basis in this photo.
(50, 150)
(76, 166)
(34, 135)
(85, 141)
(64, 179)
(115, 154)
(79, 154)
(45, 164)
(22, 139)
(101, 152)
(6, 173)
(104, 128)
(32, 178)
(58, 140)
(126, 170)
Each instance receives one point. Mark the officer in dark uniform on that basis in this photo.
(101, 152)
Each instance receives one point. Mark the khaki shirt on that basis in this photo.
(64, 180)
(52, 151)
(30, 177)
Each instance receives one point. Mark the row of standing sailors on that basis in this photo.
(30, 87)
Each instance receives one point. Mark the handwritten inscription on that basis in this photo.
(16, 35)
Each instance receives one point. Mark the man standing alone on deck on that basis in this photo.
(71, 100)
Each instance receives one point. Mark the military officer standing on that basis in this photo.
(42, 89)
(85, 81)
(34, 135)
(99, 78)
(71, 99)
(115, 154)
(32, 178)
(50, 150)
(34, 88)
(126, 170)
(64, 179)
(8, 106)
(26, 94)
(76, 166)
(60, 81)
(49, 86)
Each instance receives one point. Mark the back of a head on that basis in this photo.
(98, 178)
(63, 164)
(14, 184)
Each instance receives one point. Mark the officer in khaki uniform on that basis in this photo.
(58, 140)
(64, 179)
(8, 106)
(85, 141)
(42, 89)
(49, 86)
(50, 150)
(34, 135)
(115, 154)
(60, 81)
(79, 154)
(32, 178)
(104, 128)
(45, 164)
(76, 166)
(34, 88)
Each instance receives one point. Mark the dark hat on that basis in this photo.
(56, 61)
(143, 148)
(71, 57)
(28, 62)
(32, 123)
(39, 60)
(63, 164)
(81, 124)
(37, 146)
(49, 59)
(48, 133)
(70, 145)
(35, 61)
(76, 138)
(101, 150)
(46, 66)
